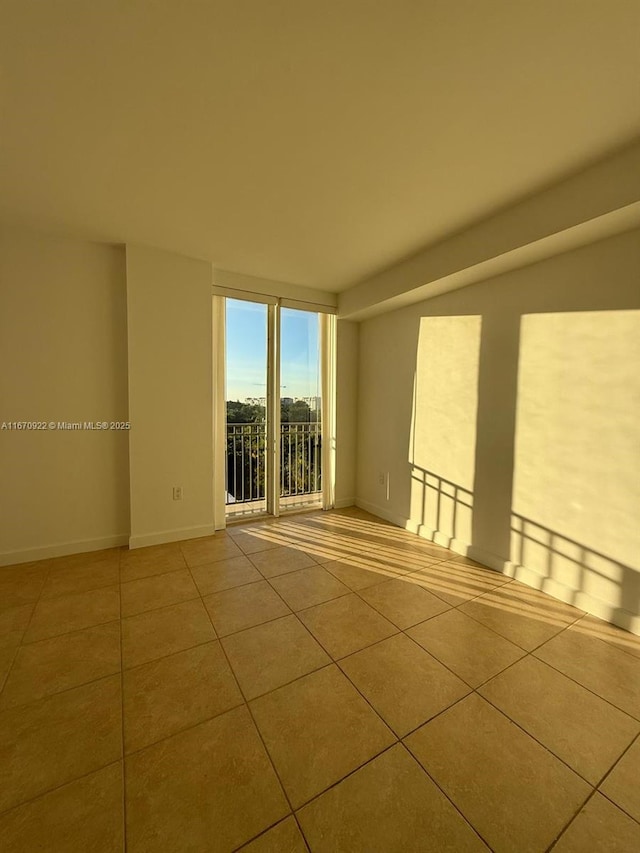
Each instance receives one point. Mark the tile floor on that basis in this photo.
(323, 682)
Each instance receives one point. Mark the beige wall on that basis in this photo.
(346, 411)
(91, 332)
(63, 357)
(504, 420)
(170, 395)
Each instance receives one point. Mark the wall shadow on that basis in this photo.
(495, 432)
(382, 450)
(554, 429)
(573, 569)
(445, 507)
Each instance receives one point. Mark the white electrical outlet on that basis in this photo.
(381, 478)
(177, 493)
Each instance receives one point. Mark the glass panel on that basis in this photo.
(246, 391)
(300, 409)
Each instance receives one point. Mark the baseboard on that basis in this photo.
(582, 600)
(344, 502)
(488, 559)
(615, 615)
(62, 549)
(164, 536)
(435, 536)
(381, 512)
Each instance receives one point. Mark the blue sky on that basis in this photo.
(247, 351)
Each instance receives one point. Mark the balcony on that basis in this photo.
(300, 464)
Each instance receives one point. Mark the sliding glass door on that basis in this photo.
(273, 408)
(246, 405)
(300, 409)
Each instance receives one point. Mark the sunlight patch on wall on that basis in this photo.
(443, 427)
(576, 493)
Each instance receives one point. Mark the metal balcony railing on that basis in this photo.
(300, 461)
(246, 458)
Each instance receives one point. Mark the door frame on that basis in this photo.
(327, 338)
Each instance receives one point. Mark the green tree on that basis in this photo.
(244, 413)
(295, 412)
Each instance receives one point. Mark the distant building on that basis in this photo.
(312, 402)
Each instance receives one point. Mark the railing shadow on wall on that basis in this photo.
(601, 585)
(444, 508)
(572, 571)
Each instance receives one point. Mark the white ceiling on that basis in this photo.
(310, 142)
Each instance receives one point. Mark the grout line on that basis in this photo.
(127, 581)
(500, 672)
(75, 779)
(80, 592)
(537, 740)
(396, 553)
(333, 662)
(198, 645)
(570, 821)
(57, 693)
(63, 691)
(227, 588)
(404, 631)
(438, 661)
(21, 642)
(352, 772)
(247, 706)
(398, 743)
(320, 604)
(584, 686)
(475, 690)
(30, 643)
(33, 643)
(459, 607)
(471, 687)
(527, 653)
(440, 593)
(256, 625)
(609, 642)
(300, 830)
(288, 683)
(128, 755)
(162, 606)
(333, 598)
(636, 719)
(446, 795)
(635, 740)
(618, 806)
(435, 716)
(5, 678)
(263, 832)
(345, 595)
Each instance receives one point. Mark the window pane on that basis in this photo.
(300, 408)
(246, 389)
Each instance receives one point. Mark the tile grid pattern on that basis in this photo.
(275, 769)
(353, 626)
(29, 604)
